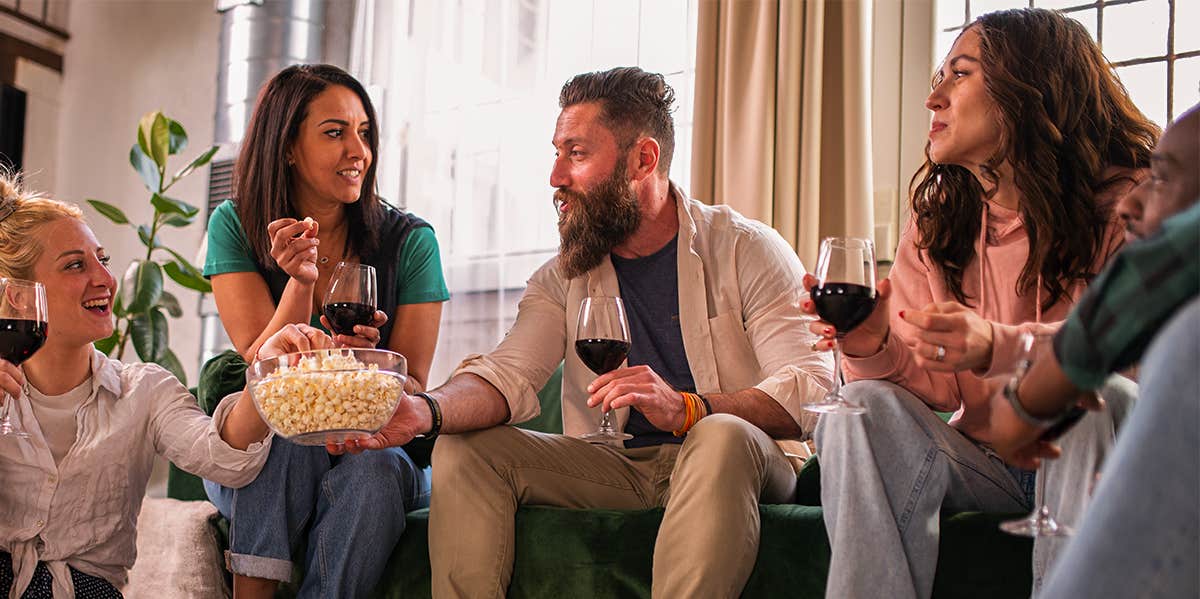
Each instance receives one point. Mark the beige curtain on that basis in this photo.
(782, 116)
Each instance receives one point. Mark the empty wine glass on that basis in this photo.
(845, 297)
(22, 332)
(352, 297)
(1040, 523)
(602, 343)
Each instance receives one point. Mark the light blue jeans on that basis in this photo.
(350, 509)
(1141, 535)
(885, 477)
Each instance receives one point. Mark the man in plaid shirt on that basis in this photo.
(1142, 307)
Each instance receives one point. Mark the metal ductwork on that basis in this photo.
(258, 38)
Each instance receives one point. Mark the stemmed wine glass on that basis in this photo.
(602, 343)
(845, 298)
(22, 332)
(1039, 523)
(352, 297)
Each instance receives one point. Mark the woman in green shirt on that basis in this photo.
(305, 200)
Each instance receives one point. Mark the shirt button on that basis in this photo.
(41, 523)
(51, 478)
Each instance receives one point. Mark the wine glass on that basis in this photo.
(845, 297)
(602, 343)
(1039, 523)
(352, 297)
(22, 332)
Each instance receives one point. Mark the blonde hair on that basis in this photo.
(26, 212)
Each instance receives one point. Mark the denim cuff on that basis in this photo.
(258, 566)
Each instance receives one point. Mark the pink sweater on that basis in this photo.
(990, 283)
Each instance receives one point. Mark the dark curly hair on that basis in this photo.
(262, 186)
(1064, 117)
(633, 102)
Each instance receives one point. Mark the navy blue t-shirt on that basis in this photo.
(650, 290)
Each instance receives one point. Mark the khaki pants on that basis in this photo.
(711, 487)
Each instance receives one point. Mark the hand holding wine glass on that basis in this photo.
(23, 328)
(845, 297)
(351, 301)
(602, 343)
(1040, 523)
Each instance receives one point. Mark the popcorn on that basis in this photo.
(327, 390)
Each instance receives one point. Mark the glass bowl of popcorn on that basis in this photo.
(328, 395)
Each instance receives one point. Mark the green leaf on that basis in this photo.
(187, 276)
(148, 330)
(167, 205)
(142, 286)
(200, 161)
(169, 361)
(108, 344)
(144, 165)
(118, 305)
(178, 137)
(170, 303)
(144, 235)
(160, 140)
(177, 220)
(145, 124)
(110, 212)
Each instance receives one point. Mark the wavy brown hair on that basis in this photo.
(262, 177)
(1064, 118)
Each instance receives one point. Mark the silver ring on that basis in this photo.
(940, 354)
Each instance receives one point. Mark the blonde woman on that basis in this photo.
(73, 488)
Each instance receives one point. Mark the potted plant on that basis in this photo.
(142, 305)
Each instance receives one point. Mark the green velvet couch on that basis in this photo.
(607, 553)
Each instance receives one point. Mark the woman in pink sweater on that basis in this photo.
(1033, 139)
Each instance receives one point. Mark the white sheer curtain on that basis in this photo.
(467, 94)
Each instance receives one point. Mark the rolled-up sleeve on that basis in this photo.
(531, 351)
(184, 434)
(772, 293)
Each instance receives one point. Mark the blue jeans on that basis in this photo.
(1141, 535)
(350, 509)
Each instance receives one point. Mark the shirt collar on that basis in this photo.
(106, 373)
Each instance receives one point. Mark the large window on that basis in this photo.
(468, 96)
(1152, 43)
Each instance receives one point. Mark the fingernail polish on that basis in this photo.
(828, 331)
(902, 314)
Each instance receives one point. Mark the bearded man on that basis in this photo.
(720, 363)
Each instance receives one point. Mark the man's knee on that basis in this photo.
(724, 437)
(465, 454)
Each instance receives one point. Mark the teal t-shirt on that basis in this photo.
(419, 273)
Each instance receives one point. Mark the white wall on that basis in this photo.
(126, 58)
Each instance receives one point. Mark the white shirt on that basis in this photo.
(83, 511)
(739, 311)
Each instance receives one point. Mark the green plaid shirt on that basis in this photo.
(1128, 302)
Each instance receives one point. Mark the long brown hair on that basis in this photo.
(1065, 118)
(262, 177)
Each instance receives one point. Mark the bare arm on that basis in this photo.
(248, 313)
(415, 335)
(759, 409)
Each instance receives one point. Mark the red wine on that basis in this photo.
(19, 338)
(602, 355)
(844, 305)
(344, 315)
